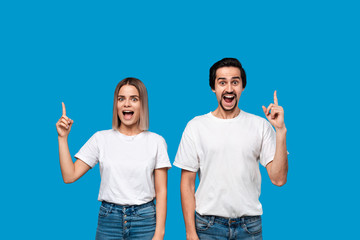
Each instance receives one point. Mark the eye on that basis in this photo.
(235, 82)
(222, 83)
(120, 99)
(134, 99)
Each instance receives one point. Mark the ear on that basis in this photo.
(213, 90)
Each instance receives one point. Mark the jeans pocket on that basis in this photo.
(253, 226)
(202, 223)
(146, 212)
(104, 211)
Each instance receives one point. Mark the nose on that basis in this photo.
(229, 88)
(127, 103)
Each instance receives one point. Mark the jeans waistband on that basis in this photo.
(126, 207)
(224, 220)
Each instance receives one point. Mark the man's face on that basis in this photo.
(228, 87)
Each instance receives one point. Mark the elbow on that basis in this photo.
(279, 182)
(161, 194)
(68, 180)
(187, 187)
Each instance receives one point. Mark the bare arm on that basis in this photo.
(278, 168)
(70, 171)
(161, 202)
(187, 188)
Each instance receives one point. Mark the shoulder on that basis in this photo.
(254, 118)
(198, 120)
(154, 136)
(256, 122)
(104, 134)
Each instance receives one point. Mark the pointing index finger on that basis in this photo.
(63, 109)
(275, 99)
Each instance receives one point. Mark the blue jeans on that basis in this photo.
(126, 222)
(213, 227)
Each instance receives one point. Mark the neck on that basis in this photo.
(221, 113)
(129, 130)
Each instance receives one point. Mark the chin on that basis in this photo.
(228, 109)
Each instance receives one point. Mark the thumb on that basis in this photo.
(264, 109)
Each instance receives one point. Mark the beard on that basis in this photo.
(231, 109)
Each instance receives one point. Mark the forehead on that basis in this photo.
(228, 72)
(128, 90)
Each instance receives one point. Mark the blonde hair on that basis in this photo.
(144, 110)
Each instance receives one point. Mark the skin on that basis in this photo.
(228, 82)
(128, 100)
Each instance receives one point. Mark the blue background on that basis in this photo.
(77, 51)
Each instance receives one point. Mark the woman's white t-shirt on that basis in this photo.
(127, 164)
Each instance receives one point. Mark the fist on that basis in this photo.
(63, 126)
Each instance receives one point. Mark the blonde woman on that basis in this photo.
(133, 167)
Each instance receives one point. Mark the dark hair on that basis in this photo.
(226, 62)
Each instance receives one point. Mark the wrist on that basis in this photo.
(62, 138)
(281, 131)
(191, 233)
(159, 233)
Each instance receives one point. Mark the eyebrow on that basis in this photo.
(130, 96)
(231, 78)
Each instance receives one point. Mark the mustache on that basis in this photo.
(225, 93)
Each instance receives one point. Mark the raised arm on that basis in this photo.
(70, 171)
(278, 168)
(187, 188)
(161, 202)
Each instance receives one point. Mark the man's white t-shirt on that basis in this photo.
(127, 164)
(226, 154)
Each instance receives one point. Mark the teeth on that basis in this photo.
(127, 111)
(229, 96)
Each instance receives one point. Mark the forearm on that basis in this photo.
(66, 163)
(279, 166)
(188, 206)
(161, 206)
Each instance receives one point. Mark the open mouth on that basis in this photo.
(229, 98)
(128, 114)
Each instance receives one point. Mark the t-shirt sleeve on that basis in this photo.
(268, 144)
(162, 157)
(89, 153)
(186, 156)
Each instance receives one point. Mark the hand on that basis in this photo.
(63, 126)
(276, 116)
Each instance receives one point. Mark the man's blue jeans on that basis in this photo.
(213, 227)
(126, 222)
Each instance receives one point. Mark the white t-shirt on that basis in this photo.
(127, 164)
(226, 154)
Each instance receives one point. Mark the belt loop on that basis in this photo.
(212, 220)
(111, 207)
(133, 209)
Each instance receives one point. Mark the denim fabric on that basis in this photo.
(126, 222)
(212, 227)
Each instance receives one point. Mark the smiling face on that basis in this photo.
(228, 88)
(128, 106)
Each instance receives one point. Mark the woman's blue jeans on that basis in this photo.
(126, 222)
(213, 227)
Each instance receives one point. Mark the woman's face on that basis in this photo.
(128, 106)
